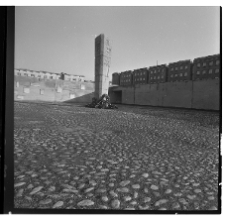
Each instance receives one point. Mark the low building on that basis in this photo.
(81, 78)
(48, 75)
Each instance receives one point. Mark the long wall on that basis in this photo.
(28, 88)
(203, 94)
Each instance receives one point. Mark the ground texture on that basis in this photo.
(140, 158)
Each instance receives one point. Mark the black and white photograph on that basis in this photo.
(117, 109)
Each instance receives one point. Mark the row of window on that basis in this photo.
(177, 68)
(158, 77)
(140, 74)
(204, 64)
(73, 79)
(143, 73)
(151, 78)
(177, 75)
(126, 76)
(50, 77)
(19, 73)
(140, 79)
(126, 80)
(210, 71)
(39, 76)
(155, 71)
(32, 75)
(159, 70)
(210, 63)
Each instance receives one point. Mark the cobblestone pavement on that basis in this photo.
(135, 158)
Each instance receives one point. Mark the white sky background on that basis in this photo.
(61, 39)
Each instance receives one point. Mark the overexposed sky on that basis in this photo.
(61, 39)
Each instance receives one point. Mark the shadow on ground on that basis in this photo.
(86, 98)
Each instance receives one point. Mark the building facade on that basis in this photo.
(48, 75)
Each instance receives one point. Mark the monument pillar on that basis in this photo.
(102, 64)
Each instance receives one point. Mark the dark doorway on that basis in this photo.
(116, 97)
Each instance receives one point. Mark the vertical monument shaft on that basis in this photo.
(102, 64)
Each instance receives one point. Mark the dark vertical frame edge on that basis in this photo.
(2, 99)
(9, 111)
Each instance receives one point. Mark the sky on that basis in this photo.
(61, 39)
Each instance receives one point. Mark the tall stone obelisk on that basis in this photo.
(102, 64)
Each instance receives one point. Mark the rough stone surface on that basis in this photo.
(58, 204)
(115, 203)
(147, 199)
(35, 190)
(160, 202)
(143, 158)
(85, 203)
(136, 186)
(45, 202)
(124, 183)
(105, 198)
(124, 190)
(154, 187)
(19, 184)
(145, 175)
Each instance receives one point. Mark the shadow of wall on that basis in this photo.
(86, 98)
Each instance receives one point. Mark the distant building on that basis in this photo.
(81, 78)
(90, 81)
(48, 75)
(69, 77)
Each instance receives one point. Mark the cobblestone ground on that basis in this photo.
(136, 158)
